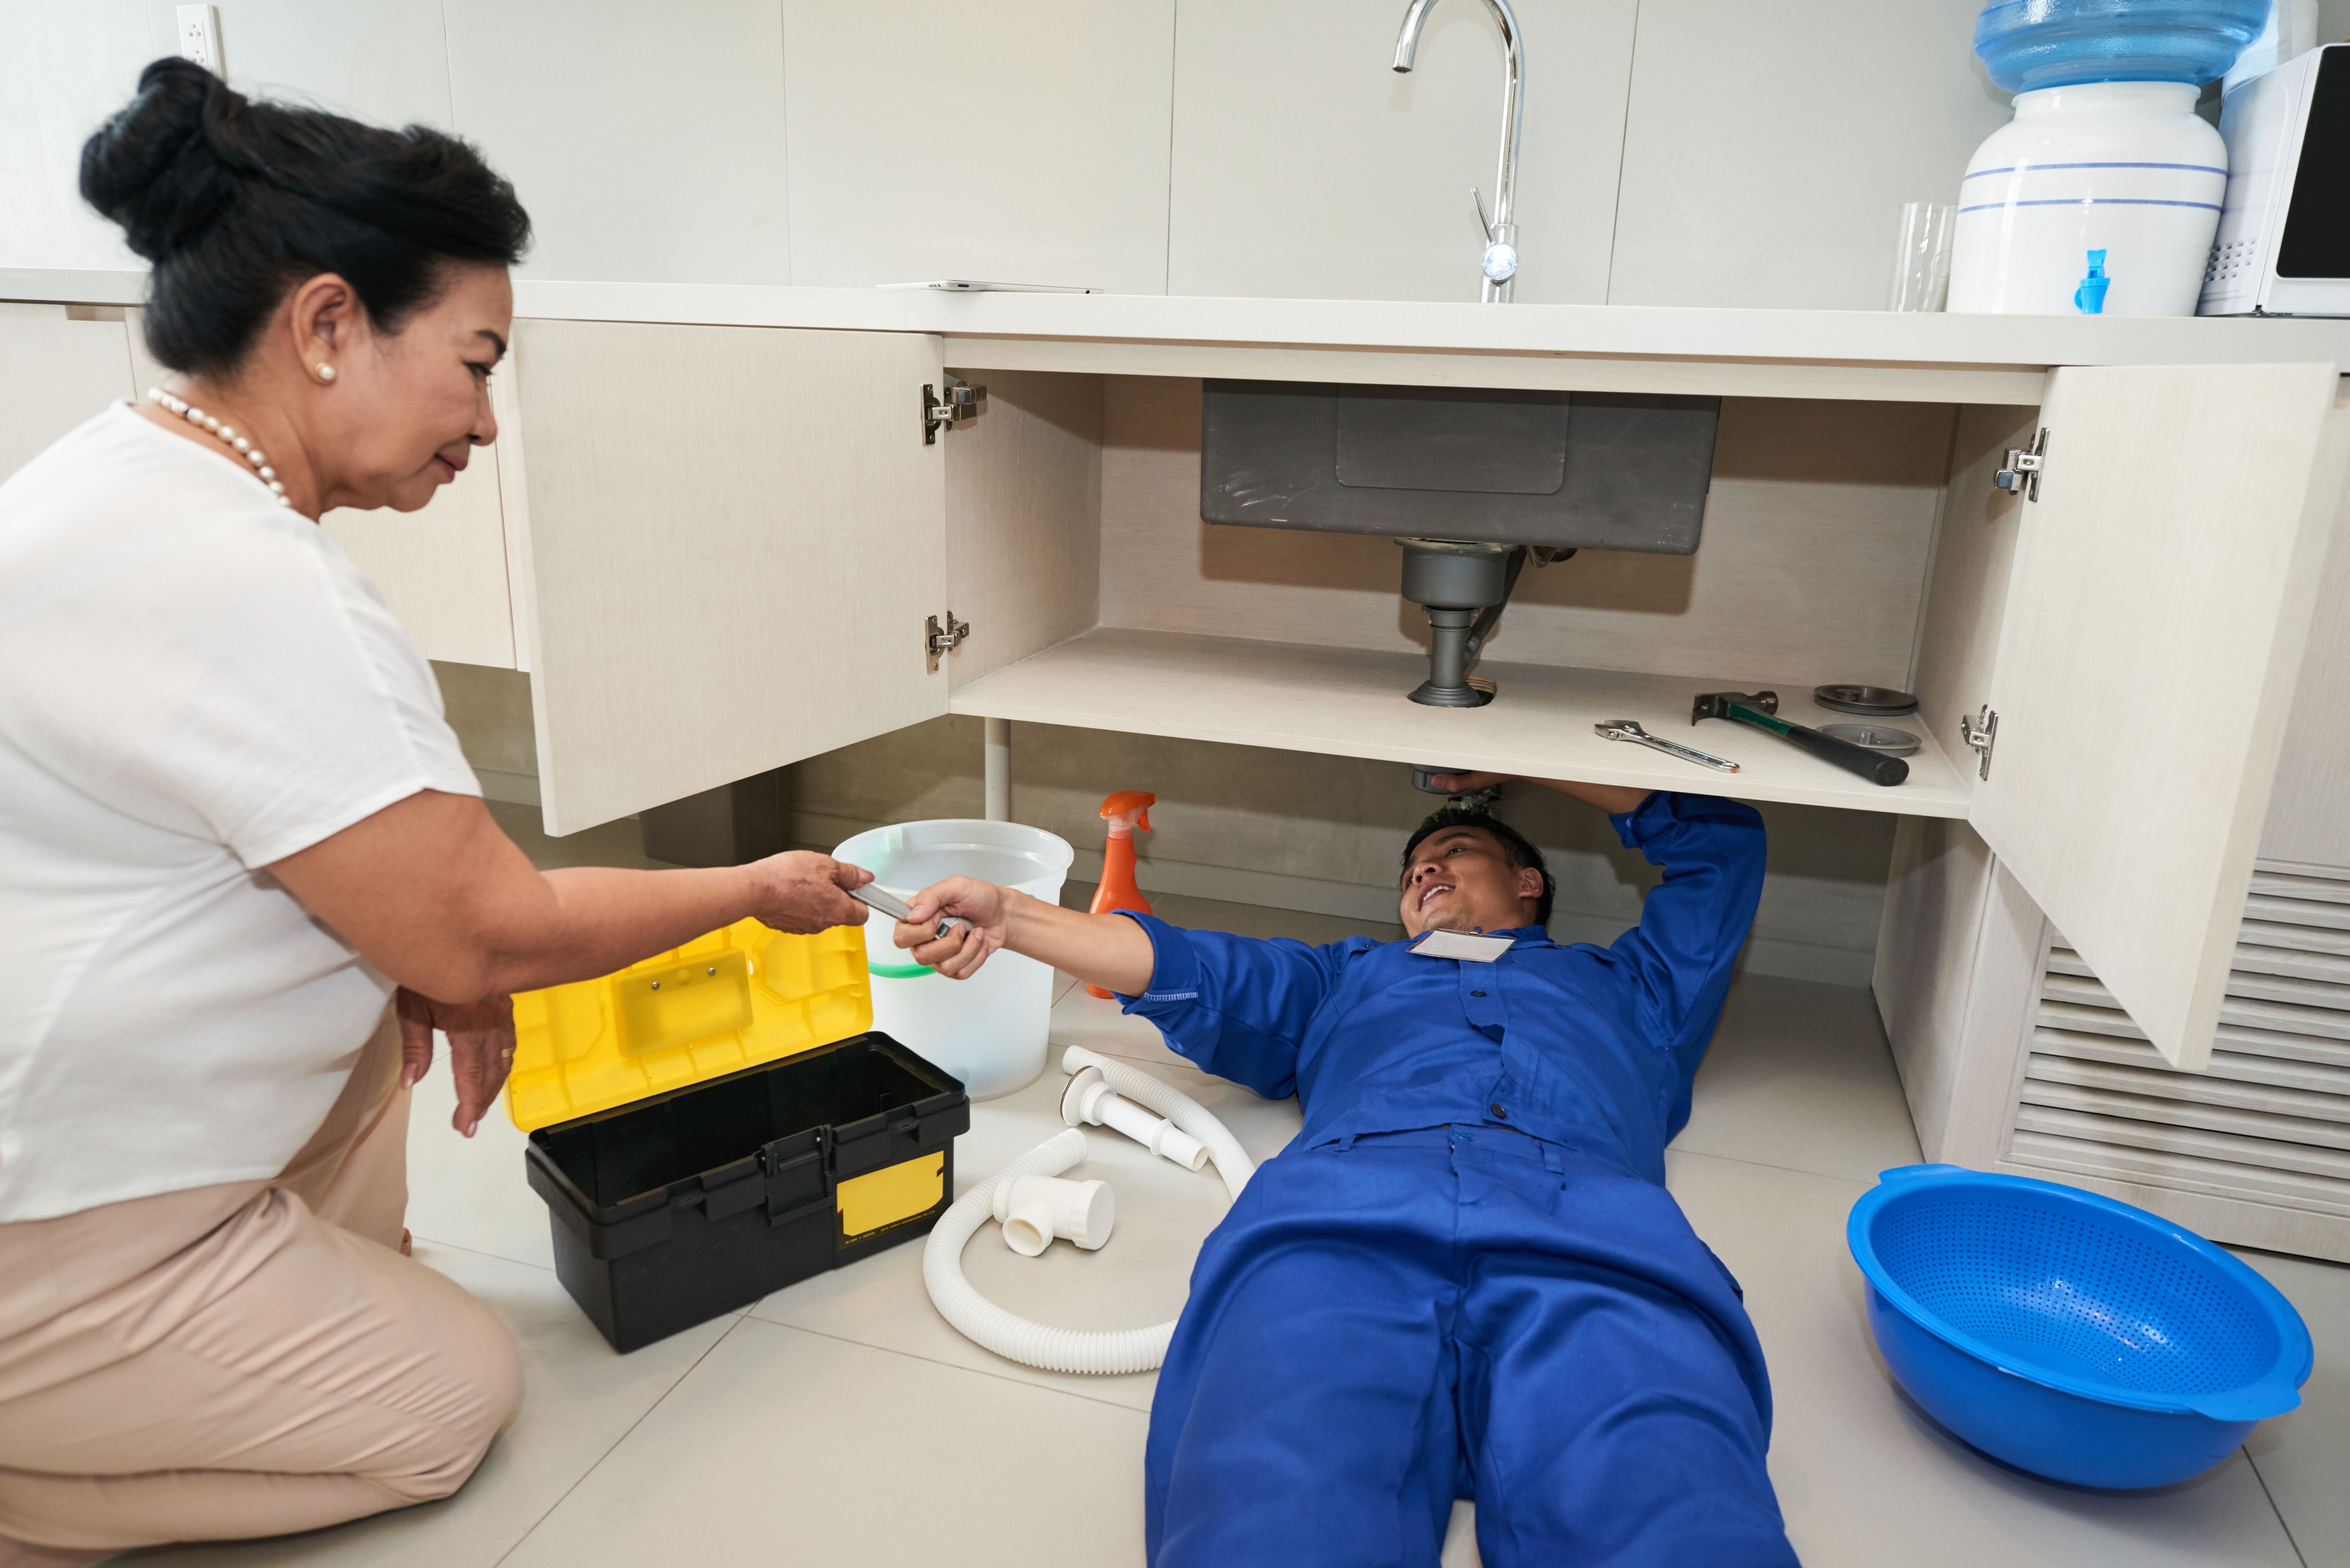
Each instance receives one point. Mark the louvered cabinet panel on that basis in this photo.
(2256, 1147)
(2279, 938)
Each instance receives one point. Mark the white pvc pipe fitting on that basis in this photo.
(1090, 1099)
(1036, 1209)
(1040, 1345)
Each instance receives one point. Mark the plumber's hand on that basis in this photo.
(958, 954)
(1614, 799)
(1461, 784)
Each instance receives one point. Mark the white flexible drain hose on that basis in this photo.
(1039, 1345)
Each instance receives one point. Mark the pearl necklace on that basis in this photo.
(245, 447)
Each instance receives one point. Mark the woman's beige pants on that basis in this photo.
(240, 1360)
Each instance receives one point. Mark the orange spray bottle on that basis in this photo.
(1125, 811)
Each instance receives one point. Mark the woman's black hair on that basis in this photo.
(1521, 854)
(234, 201)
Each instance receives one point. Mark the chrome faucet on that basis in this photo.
(1501, 231)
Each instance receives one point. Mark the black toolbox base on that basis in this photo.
(681, 1207)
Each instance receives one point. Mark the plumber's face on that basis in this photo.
(1461, 880)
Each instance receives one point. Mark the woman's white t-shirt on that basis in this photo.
(194, 683)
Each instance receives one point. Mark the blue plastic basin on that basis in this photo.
(2069, 1334)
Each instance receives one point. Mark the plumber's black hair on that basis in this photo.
(1515, 848)
(234, 201)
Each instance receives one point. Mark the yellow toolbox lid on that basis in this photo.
(735, 999)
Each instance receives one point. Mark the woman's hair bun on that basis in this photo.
(236, 200)
(150, 168)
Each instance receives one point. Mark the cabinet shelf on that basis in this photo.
(1349, 702)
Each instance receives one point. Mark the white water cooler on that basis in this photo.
(2096, 199)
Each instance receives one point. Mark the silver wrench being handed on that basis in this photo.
(874, 895)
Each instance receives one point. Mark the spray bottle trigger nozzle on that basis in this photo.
(1128, 809)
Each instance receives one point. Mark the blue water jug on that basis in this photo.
(2032, 44)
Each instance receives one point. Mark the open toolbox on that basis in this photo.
(717, 1123)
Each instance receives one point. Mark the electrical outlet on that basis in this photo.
(200, 38)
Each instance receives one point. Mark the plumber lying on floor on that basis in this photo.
(1465, 1277)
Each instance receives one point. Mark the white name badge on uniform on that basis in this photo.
(1471, 947)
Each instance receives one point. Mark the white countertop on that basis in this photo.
(1624, 332)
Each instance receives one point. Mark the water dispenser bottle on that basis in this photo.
(2027, 44)
(2105, 154)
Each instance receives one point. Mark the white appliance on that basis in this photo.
(2283, 244)
(2099, 198)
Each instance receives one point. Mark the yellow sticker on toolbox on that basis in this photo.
(895, 1193)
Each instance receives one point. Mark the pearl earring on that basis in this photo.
(325, 372)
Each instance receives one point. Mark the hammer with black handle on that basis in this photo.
(1761, 709)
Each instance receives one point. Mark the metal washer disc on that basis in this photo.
(1892, 742)
(1870, 700)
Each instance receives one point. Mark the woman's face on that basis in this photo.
(408, 407)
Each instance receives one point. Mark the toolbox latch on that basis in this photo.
(799, 1173)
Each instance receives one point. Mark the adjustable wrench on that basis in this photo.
(1630, 730)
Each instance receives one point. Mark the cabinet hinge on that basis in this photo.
(1980, 731)
(2025, 468)
(939, 641)
(956, 407)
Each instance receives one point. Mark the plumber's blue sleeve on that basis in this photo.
(1237, 1006)
(1694, 923)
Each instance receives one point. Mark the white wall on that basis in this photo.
(66, 65)
(1677, 151)
(648, 141)
(1306, 167)
(1019, 141)
(1770, 146)
(1682, 150)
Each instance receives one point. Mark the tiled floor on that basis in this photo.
(842, 1422)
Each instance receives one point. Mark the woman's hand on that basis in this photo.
(958, 954)
(805, 893)
(481, 1048)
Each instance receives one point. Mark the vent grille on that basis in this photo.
(2268, 1123)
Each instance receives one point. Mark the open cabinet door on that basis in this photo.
(733, 537)
(2161, 595)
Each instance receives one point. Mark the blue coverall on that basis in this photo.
(1465, 1277)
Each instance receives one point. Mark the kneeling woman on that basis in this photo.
(245, 871)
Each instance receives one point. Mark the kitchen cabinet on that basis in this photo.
(55, 372)
(2027, 1049)
(2160, 593)
(2173, 549)
(442, 568)
(732, 538)
(731, 561)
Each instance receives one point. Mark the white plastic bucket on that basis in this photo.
(990, 1030)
